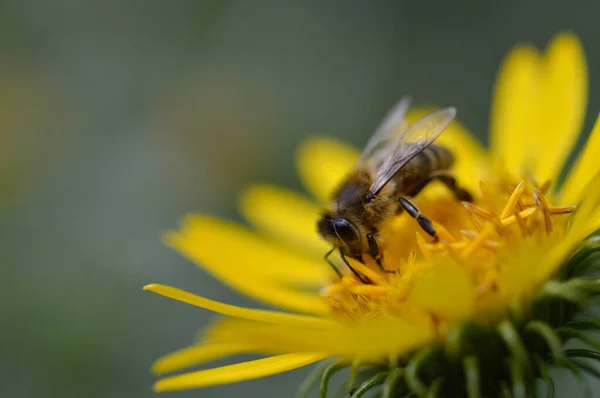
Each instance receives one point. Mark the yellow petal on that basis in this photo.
(563, 99)
(514, 113)
(446, 290)
(323, 163)
(236, 373)
(195, 355)
(249, 263)
(585, 221)
(284, 215)
(585, 167)
(234, 311)
(471, 165)
(364, 338)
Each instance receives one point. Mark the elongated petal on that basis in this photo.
(368, 339)
(250, 263)
(586, 165)
(470, 165)
(323, 163)
(284, 214)
(238, 372)
(563, 96)
(514, 111)
(195, 355)
(237, 312)
(585, 222)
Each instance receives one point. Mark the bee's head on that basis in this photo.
(340, 231)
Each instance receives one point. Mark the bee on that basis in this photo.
(397, 163)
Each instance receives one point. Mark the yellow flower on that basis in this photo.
(491, 273)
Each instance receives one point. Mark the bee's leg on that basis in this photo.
(374, 250)
(345, 260)
(449, 181)
(332, 265)
(423, 221)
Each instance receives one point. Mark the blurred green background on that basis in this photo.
(118, 117)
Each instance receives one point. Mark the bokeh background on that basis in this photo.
(117, 117)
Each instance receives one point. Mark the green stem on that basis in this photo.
(311, 380)
(513, 341)
(590, 246)
(331, 369)
(550, 337)
(471, 369)
(390, 383)
(578, 334)
(570, 290)
(369, 384)
(414, 366)
(582, 353)
(436, 388)
(584, 324)
(517, 375)
(353, 373)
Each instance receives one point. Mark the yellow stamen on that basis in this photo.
(561, 209)
(370, 290)
(540, 201)
(513, 219)
(488, 243)
(478, 211)
(545, 187)
(443, 233)
(478, 241)
(522, 225)
(513, 200)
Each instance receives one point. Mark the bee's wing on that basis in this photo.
(394, 124)
(390, 159)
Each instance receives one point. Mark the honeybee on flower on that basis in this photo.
(480, 312)
(398, 161)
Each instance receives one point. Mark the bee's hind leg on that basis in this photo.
(449, 181)
(423, 221)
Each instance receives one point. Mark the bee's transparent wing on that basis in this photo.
(393, 125)
(415, 139)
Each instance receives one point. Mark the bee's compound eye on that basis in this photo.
(345, 230)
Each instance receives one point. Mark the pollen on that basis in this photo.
(420, 275)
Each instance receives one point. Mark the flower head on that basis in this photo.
(497, 283)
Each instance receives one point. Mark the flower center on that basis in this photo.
(464, 270)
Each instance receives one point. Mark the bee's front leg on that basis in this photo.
(374, 249)
(345, 260)
(331, 264)
(423, 221)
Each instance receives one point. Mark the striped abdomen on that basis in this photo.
(417, 173)
(433, 158)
